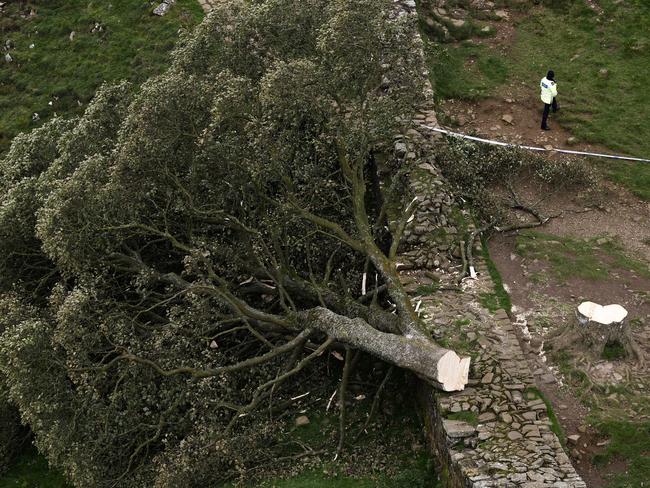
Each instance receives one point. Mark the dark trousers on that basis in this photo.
(547, 108)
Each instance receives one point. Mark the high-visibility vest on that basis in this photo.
(549, 90)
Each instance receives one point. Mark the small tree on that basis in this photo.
(195, 245)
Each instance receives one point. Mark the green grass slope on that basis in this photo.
(602, 64)
(48, 67)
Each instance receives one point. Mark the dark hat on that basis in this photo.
(550, 75)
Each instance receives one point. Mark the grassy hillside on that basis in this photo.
(602, 64)
(48, 67)
(50, 73)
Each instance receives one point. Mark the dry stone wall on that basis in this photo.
(498, 431)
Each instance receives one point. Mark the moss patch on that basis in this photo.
(499, 298)
(629, 441)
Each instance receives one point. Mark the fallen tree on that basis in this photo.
(182, 254)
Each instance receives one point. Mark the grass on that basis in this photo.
(629, 437)
(608, 108)
(611, 108)
(414, 473)
(629, 441)
(577, 258)
(533, 394)
(466, 71)
(383, 457)
(499, 298)
(469, 417)
(133, 45)
(31, 470)
(426, 290)
(613, 351)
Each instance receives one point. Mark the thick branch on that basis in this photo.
(441, 367)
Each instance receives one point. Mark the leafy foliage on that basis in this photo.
(159, 253)
(477, 171)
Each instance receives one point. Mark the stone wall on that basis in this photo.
(497, 432)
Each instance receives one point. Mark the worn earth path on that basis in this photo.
(542, 307)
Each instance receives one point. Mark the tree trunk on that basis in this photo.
(600, 326)
(596, 327)
(441, 367)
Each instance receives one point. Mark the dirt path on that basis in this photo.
(541, 307)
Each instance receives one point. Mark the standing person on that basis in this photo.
(549, 92)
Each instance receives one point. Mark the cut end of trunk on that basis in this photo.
(609, 314)
(453, 371)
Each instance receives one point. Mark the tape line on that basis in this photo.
(532, 148)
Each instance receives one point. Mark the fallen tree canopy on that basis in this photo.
(177, 258)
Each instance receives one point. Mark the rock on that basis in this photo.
(486, 417)
(506, 417)
(547, 378)
(400, 149)
(457, 429)
(302, 421)
(8, 58)
(164, 7)
(513, 435)
(530, 415)
(603, 72)
(508, 119)
(572, 141)
(31, 46)
(458, 23)
(573, 439)
(71, 36)
(502, 14)
(487, 378)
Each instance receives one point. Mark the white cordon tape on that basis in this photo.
(531, 148)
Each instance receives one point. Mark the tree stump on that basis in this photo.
(598, 326)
